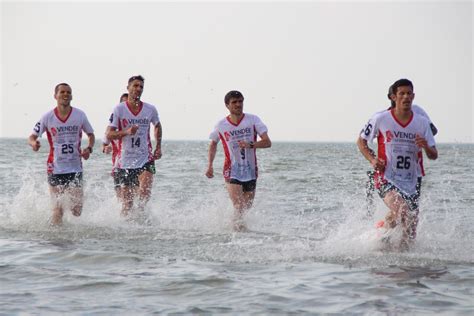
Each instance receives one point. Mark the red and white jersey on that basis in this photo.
(64, 139)
(239, 164)
(134, 150)
(396, 146)
(418, 110)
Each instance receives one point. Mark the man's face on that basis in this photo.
(403, 98)
(64, 95)
(135, 89)
(236, 106)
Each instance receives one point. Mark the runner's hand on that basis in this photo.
(420, 141)
(133, 129)
(210, 172)
(36, 145)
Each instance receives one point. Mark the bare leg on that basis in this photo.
(144, 190)
(56, 192)
(77, 195)
(242, 201)
(398, 214)
(128, 194)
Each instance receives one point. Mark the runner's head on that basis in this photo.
(63, 93)
(135, 87)
(234, 101)
(124, 97)
(395, 89)
(234, 94)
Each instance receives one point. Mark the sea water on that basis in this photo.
(310, 248)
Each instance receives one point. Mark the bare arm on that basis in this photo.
(431, 152)
(87, 151)
(264, 142)
(113, 133)
(158, 132)
(368, 153)
(210, 158)
(34, 142)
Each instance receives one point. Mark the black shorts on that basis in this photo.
(66, 179)
(247, 186)
(129, 177)
(411, 200)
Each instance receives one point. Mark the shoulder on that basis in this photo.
(252, 117)
(149, 106)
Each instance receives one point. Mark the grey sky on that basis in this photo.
(313, 71)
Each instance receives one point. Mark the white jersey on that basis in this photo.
(418, 110)
(64, 137)
(240, 164)
(134, 151)
(396, 146)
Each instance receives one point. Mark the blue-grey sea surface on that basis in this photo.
(310, 248)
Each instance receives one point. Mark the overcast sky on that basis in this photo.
(312, 71)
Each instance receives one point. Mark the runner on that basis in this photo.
(238, 133)
(130, 125)
(400, 134)
(111, 146)
(64, 125)
(370, 185)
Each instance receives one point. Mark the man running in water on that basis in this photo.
(238, 132)
(135, 163)
(370, 185)
(400, 134)
(64, 125)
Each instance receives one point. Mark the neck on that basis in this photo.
(134, 102)
(64, 108)
(402, 114)
(235, 118)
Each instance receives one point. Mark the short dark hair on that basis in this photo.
(234, 94)
(60, 84)
(125, 95)
(394, 87)
(139, 77)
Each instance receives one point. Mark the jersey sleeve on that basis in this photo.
(428, 135)
(40, 126)
(260, 127)
(369, 132)
(114, 118)
(86, 126)
(214, 136)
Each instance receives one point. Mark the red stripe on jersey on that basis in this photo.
(119, 145)
(227, 161)
(420, 161)
(382, 155)
(140, 107)
(400, 123)
(228, 119)
(56, 112)
(50, 161)
(115, 151)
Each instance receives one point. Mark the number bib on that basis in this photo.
(134, 150)
(64, 137)
(404, 165)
